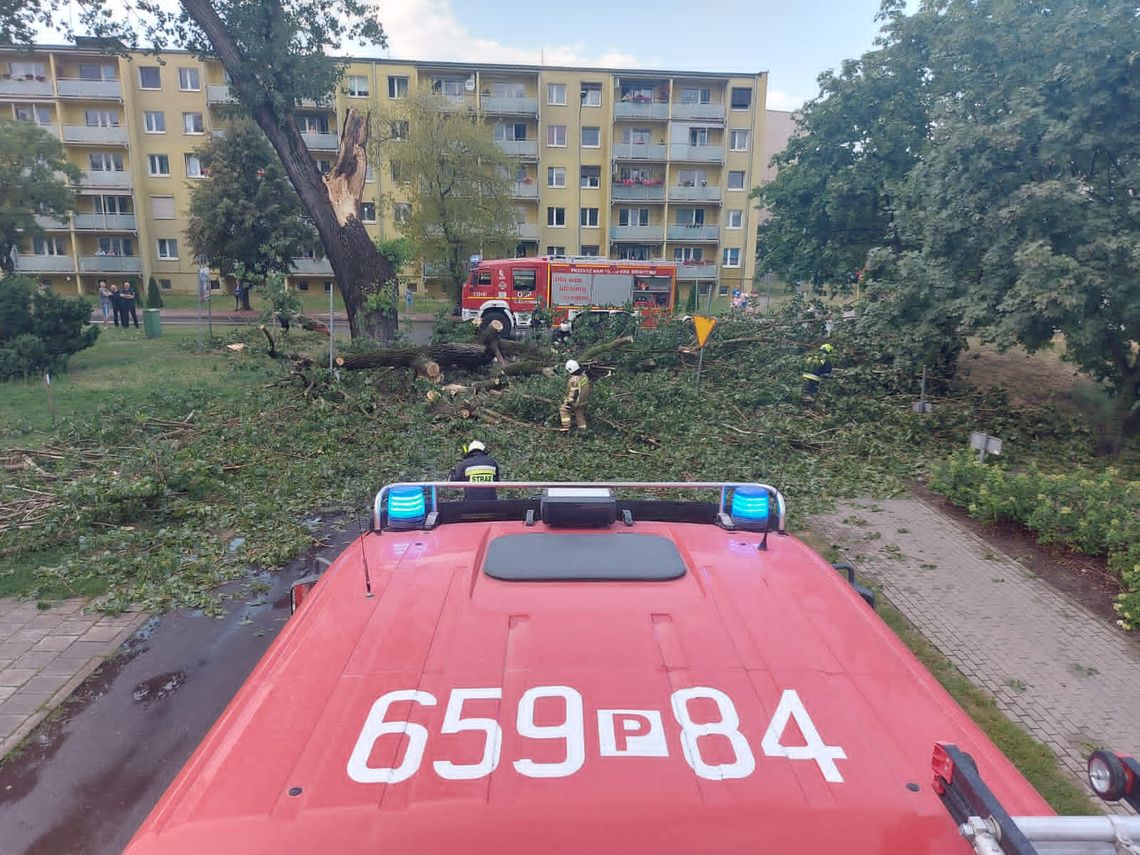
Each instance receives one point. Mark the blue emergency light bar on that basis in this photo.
(407, 508)
(750, 508)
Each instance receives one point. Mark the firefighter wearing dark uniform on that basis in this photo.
(477, 466)
(577, 394)
(818, 367)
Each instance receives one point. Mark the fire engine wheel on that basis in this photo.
(501, 317)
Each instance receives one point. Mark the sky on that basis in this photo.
(793, 40)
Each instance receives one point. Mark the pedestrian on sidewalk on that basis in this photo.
(237, 296)
(116, 304)
(105, 302)
(127, 295)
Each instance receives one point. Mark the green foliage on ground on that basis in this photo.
(1094, 511)
(39, 329)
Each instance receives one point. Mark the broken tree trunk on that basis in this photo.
(310, 324)
(444, 355)
(523, 368)
(604, 347)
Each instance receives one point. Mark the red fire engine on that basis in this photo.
(572, 668)
(509, 290)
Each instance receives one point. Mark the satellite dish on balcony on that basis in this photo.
(469, 83)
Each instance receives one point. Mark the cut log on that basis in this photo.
(523, 368)
(604, 347)
(425, 367)
(307, 323)
(444, 355)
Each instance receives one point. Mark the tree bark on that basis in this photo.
(358, 266)
(453, 354)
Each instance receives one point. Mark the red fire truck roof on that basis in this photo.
(661, 687)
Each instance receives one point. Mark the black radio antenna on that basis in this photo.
(364, 557)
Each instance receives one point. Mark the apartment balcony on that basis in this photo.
(688, 270)
(638, 151)
(527, 231)
(519, 148)
(26, 88)
(699, 193)
(434, 269)
(509, 105)
(48, 129)
(638, 234)
(106, 180)
(321, 142)
(105, 222)
(312, 267)
(110, 264)
(637, 193)
(523, 190)
(654, 110)
(698, 153)
(456, 102)
(90, 89)
(700, 112)
(219, 93)
(51, 224)
(89, 135)
(681, 232)
(45, 264)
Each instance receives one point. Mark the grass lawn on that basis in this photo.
(312, 302)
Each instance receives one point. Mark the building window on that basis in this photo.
(591, 177)
(154, 122)
(188, 80)
(100, 119)
(368, 212)
(688, 254)
(556, 250)
(593, 251)
(150, 77)
(722, 290)
(509, 131)
(328, 286)
(116, 246)
(27, 70)
(194, 166)
(556, 136)
(358, 86)
(555, 176)
(735, 220)
(302, 285)
(556, 94)
(48, 246)
(215, 285)
(591, 137)
(398, 130)
(636, 136)
(165, 284)
(736, 179)
(167, 248)
(591, 94)
(325, 167)
(397, 87)
(590, 217)
(312, 123)
(369, 174)
(698, 136)
(397, 174)
(158, 164)
(696, 96)
(35, 113)
(739, 140)
(162, 207)
(105, 161)
(96, 72)
(741, 98)
(556, 217)
(401, 212)
(731, 257)
(113, 205)
(633, 216)
(192, 123)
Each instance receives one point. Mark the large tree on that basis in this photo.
(245, 215)
(275, 52)
(460, 184)
(31, 162)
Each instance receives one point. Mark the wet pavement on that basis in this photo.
(87, 777)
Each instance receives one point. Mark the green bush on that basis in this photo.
(153, 295)
(1094, 512)
(39, 330)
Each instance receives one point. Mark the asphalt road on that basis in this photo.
(85, 780)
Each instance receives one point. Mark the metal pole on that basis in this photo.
(51, 403)
(332, 331)
(767, 291)
(700, 362)
(210, 317)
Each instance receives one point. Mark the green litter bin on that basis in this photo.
(152, 326)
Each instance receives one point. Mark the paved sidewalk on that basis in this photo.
(45, 654)
(1067, 676)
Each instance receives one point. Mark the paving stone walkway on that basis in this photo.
(1064, 674)
(45, 654)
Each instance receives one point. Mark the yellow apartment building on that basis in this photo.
(613, 163)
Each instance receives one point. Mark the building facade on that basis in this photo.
(613, 163)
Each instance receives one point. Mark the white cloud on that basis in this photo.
(429, 29)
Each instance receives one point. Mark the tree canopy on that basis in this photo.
(982, 163)
(244, 211)
(30, 160)
(39, 329)
(460, 184)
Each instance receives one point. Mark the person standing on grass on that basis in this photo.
(105, 302)
(117, 304)
(127, 295)
(237, 297)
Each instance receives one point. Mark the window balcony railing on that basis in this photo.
(527, 231)
(698, 193)
(641, 110)
(219, 93)
(622, 192)
(110, 264)
(116, 180)
(456, 102)
(700, 112)
(94, 135)
(509, 105)
(696, 270)
(524, 190)
(651, 234)
(321, 141)
(519, 148)
(74, 88)
(684, 232)
(639, 151)
(26, 87)
(45, 264)
(312, 267)
(701, 153)
(51, 224)
(105, 222)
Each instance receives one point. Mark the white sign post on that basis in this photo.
(984, 444)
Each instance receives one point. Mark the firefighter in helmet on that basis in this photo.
(477, 466)
(577, 394)
(818, 367)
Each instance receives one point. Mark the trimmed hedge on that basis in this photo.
(1094, 512)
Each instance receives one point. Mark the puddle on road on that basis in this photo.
(157, 688)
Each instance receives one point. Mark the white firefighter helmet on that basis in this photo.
(572, 365)
(475, 445)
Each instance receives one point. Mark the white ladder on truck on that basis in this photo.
(1054, 835)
